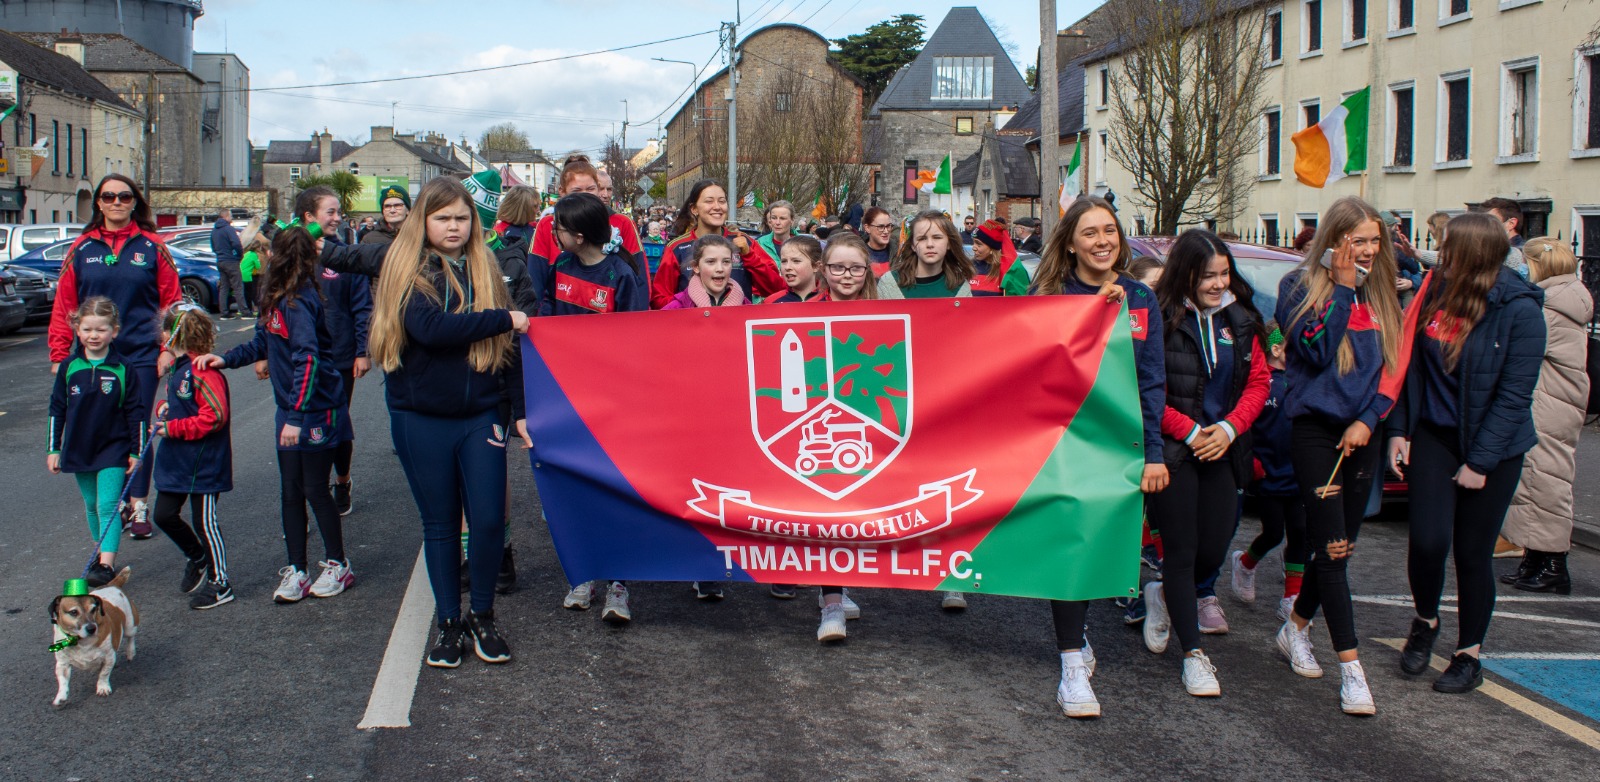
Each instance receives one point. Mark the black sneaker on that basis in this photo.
(1418, 650)
(194, 571)
(1465, 674)
(708, 590)
(506, 582)
(99, 575)
(213, 595)
(452, 642)
(341, 497)
(783, 591)
(486, 640)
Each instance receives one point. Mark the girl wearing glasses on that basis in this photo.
(119, 256)
(846, 270)
(705, 213)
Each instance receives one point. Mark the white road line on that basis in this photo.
(390, 703)
(1384, 600)
(1499, 598)
(1540, 656)
(243, 330)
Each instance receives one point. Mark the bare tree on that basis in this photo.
(504, 137)
(624, 176)
(778, 138)
(713, 140)
(1186, 101)
(837, 162)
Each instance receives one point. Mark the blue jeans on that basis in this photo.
(456, 465)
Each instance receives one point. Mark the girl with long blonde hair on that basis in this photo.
(442, 328)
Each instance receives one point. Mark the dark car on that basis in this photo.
(199, 279)
(37, 289)
(13, 310)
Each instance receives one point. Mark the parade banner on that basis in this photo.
(978, 445)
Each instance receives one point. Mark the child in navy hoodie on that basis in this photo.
(97, 425)
(311, 420)
(194, 462)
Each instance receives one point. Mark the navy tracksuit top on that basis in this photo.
(95, 415)
(294, 340)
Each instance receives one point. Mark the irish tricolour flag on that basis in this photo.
(1326, 151)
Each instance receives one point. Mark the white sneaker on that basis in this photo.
(336, 577)
(954, 601)
(1200, 676)
(832, 626)
(1073, 694)
(616, 611)
(1088, 654)
(1295, 646)
(1212, 620)
(851, 610)
(578, 597)
(1157, 624)
(295, 585)
(1355, 697)
(1244, 578)
(1284, 607)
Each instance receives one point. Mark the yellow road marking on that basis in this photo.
(1544, 714)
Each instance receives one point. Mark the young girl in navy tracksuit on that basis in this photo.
(442, 331)
(1343, 334)
(97, 425)
(311, 419)
(194, 461)
(1088, 256)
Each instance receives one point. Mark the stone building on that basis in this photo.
(529, 165)
(286, 162)
(386, 154)
(940, 103)
(86, 132)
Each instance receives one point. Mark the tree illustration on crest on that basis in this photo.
(873, 383)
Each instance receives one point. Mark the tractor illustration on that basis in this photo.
(842, 446)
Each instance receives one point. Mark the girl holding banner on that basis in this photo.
(1088, 256)
(930, 266)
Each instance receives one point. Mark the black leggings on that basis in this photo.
(303, 477)
(343, 451)
(1333, 518)
(1069, 616)
(1195, 515)
(1283, 520)
(1442, 513)
(205, 540)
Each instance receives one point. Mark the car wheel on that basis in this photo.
(195, 290)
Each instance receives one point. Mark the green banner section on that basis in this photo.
(367, 200)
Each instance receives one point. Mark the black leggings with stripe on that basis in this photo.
(205, 540)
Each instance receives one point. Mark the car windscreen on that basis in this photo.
(1264, 277)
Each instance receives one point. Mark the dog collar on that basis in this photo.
(63, 643)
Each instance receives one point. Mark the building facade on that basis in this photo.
(224, 120)
(528, 165)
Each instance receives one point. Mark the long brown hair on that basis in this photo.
(1058, 261)
(686, 219)
(957, 267)
(405, 272)
(1344, 216)
(1470, 259)
(294, 265)
(141, 208)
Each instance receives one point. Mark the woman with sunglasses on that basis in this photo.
(119, 256)
(880, 229)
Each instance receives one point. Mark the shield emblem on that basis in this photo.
(105, 386)
(830, 398)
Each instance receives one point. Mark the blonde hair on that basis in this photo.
(97, 307)
(1344, 216)
(1548, 258)
(849, 241)
(519, 206)
(404, 272)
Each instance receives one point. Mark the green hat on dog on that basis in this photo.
(394, 191)
(75, 587)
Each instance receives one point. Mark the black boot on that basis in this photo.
(506, 582)
(1553, 577)
(1419, 647)
(1464, 675)
(1532, 562)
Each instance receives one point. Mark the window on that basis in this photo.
(964, 126)
(1310, 26)
(784, 100)
(1307, 220)
(1105, 87)
(963, 78)
(1271, 144)
(1274, 36)
(83, 151)
(1586, 103)
(1100, 159)
(1355, 21)
(1269, 230)
(1402, 124)
(1455, 119)
(69, 149)
(105, 129)
(34, 238)
(1587, 224)
(1139, 226)
(33, 129)
(1402, 15)
(1310, 112)
(910, 194)
(1452, 11)
(55, 145)
(355, 168)
(1519, 109)
(1405, 221)
(294, 174)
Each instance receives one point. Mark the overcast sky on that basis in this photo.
(562, 106)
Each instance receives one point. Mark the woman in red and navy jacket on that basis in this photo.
(119, 256)
(311, 420)
(705, 212)
(578, 175)
(1217, 384)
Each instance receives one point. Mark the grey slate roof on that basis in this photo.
(1016, 176)
(423, 153)
(966, 172)
(46, 67)
(111, 52)
(963, 33)
(302, 151)
(1069, 104)
(499, 156)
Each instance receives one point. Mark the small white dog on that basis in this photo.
(90, 628)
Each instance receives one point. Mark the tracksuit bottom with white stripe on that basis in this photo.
(456, 465)
(205, 540)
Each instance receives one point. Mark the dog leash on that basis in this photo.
(122, 502)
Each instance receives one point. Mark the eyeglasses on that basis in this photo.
(881, 226)
(840, 270)
(108, 197)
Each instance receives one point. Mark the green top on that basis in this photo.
(929, 288)
(249, 265)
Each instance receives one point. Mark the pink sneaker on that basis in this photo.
(1212, 620)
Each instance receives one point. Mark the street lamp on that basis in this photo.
(694, 73)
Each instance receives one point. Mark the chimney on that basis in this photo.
(70, 45)
(325, 146)
(1071, 44)
(382, 133)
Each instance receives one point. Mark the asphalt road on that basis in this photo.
(736, 690)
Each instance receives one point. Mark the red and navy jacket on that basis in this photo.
(567, 287)
(1316, 388)
(546, 249)
(130, 267)
(196, 456)
(293, 338)
(96, 419)
(348, 300)
(754, 271)
(820, 293)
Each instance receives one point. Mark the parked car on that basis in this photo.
(1264, 267)
(37, 289)
(13, 310)
(199, 278)
(16, 240)
(197, 244)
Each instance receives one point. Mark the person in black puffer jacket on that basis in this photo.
(1463, 423)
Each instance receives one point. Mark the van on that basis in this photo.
(17, 240)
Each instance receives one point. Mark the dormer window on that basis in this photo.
(963, 78)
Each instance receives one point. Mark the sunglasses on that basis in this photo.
(108, 197)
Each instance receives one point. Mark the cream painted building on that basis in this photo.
(1470, 99)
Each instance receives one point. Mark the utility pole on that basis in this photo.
(624, 126)
(733, 113)
(1049, 121)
